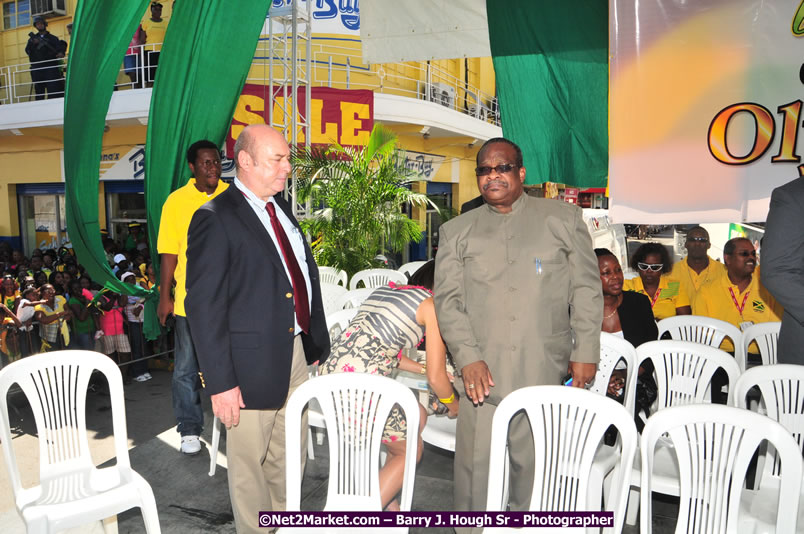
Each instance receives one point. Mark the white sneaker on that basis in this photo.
(190, 445)
(141, 378)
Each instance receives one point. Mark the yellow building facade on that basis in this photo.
(442, 112)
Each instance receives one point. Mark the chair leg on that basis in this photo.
(110, 524)
(607, 489)
(213, 451)
(633, 507)
(150, 515)
(310, 450)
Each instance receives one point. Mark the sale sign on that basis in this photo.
(336, 115)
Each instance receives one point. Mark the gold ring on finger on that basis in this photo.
(471, 386)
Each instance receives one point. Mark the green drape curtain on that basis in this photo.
(202, 68)
(208, 50)
(102, 31)
(551, 63)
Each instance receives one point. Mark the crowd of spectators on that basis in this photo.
(49, 302)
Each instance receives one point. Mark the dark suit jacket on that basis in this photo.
(636, 318)
(782, 270)
(469, 205)
(240, 303)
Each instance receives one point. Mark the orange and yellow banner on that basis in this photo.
(705, 108)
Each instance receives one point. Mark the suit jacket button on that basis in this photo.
(291, 330)
(289, 295)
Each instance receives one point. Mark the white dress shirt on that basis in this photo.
(294, 236)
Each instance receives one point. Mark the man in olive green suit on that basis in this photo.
(519, 303)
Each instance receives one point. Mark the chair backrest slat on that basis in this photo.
(714, 446)
(766, 336)
(55, 385)
(567, 426)
(374, 278)
(684, 370)
(355, 407)
(331, 275)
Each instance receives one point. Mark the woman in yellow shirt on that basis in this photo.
(667, 296)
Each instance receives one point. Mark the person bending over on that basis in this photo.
(390, 319)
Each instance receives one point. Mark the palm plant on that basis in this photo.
(358, 195)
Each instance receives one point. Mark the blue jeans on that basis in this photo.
(82, 341)
(186, 382)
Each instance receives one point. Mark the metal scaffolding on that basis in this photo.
(290, 71)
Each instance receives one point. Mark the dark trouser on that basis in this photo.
(82, 341)
(186, 382)
(29, 342)
(152, 63)
(48, 79)
(137, 349)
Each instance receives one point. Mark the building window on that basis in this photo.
(43, 221)
(16, 14)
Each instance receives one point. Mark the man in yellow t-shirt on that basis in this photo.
(739, 297)
(154, 29)
(697, 268)
(203, 158)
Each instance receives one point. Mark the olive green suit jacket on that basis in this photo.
(520, 291)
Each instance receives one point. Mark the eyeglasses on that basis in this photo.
(698, 239)
(746, 253)
(499, 169)
(650, 266)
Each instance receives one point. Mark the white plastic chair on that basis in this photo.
(781, 388)
(411, 267)
(568, 424)
(353, 298)
(339, 320)
(373, 278)
(683, 371)
(612, 350)
(355, 408)
(330, 295)
(704, 330)
(71, 490)
(331, 275)
(713, 446)
(440, 432)
(766, 336)
(314, 420)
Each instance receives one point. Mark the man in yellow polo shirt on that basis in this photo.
(154, 29)
(737, 298)
(204, 161)
(697, 268)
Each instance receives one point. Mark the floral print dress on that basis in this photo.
(384, 325)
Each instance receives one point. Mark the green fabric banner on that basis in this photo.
(102, 31)
(204, 63)
(551, 63)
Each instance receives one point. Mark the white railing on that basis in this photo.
(332, 67)
(17, 86)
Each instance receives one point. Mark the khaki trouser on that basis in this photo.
(255, 453)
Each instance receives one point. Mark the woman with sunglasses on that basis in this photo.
(667, 296)
(628, 315)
